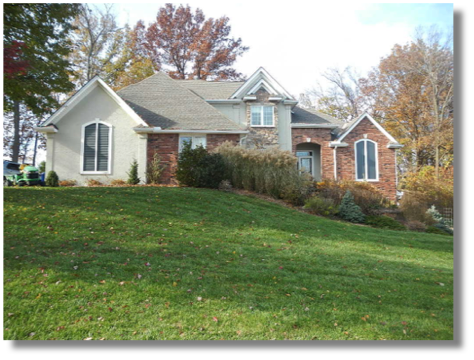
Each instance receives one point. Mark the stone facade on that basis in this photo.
(262, 137)
(167, 146)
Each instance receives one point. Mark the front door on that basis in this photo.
(305, 161)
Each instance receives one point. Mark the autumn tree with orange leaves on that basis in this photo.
(411, 93)
(189, 46)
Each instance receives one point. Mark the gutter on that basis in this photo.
(46, 129)
(158, 130)
(314, 126)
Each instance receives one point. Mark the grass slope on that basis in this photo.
(182, 263)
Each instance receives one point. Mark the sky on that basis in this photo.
(297, 42)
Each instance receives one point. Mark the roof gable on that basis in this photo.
(74, 100)
(375, 123)
(261, 78)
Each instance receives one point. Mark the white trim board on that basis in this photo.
(82, 93)
(250, 84)
(377, 125)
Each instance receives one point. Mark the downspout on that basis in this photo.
(335, 163)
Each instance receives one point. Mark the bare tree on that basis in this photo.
(97, 42)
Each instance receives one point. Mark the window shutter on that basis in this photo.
(103, 148)
(89, 147)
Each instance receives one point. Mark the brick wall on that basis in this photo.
(321, 137)
(167, 146)
(346, 156)
(386, 158)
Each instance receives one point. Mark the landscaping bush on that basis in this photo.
(349, 210)
(133, 178)
(52, 179)
(225, 185)
(366, 196)
(441, 223)
(118, 182)
(68, 183)
(268, 171)
(435, 230)
(93, 182)
(321, 206)
(414, 206)
(384, 222)
(188, 161)
(438, 192)
(210, 171)
(154, 170)
(415, 225)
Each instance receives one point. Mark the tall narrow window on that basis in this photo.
(262, 116)
(366, 160)
(96, 153)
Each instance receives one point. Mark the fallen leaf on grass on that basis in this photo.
(89, 338)
(215, 319)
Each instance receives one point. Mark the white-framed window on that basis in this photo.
(366, 160)
(195, 141)
(262, 115)
(96, 148)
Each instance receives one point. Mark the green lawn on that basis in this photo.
(193, 264)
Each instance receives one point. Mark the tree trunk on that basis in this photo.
(35, 149)
(16, 131)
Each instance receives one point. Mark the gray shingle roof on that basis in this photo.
(311, 116)
(162, 101)
(212, 90)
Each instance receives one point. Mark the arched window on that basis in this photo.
(366, 160)
(96, 145)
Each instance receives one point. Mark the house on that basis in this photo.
(98, 132)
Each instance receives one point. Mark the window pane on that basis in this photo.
(183, 139)
(268, 115)
(89, 147)
(103, 148)
(372, 173)
(199, 140)
(256, 115)
(360, 159)
(306, 165)
(303, 153)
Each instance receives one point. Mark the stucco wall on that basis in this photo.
(64, 147)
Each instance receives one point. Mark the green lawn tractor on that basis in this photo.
(28, 175)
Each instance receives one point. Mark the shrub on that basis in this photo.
(133, 178)
(52, 179)
(435, 230)
(415, 225)
(225, 185)
(414, 206)
(68, 183)
(349, 210)
(154, 170)
(93, 182)
(366, 196)
(267, 171)
(321, 206)
(188, 161)
(438, 192)
(384, 222)
(441, 223)
(210, 171)
(118, 182)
